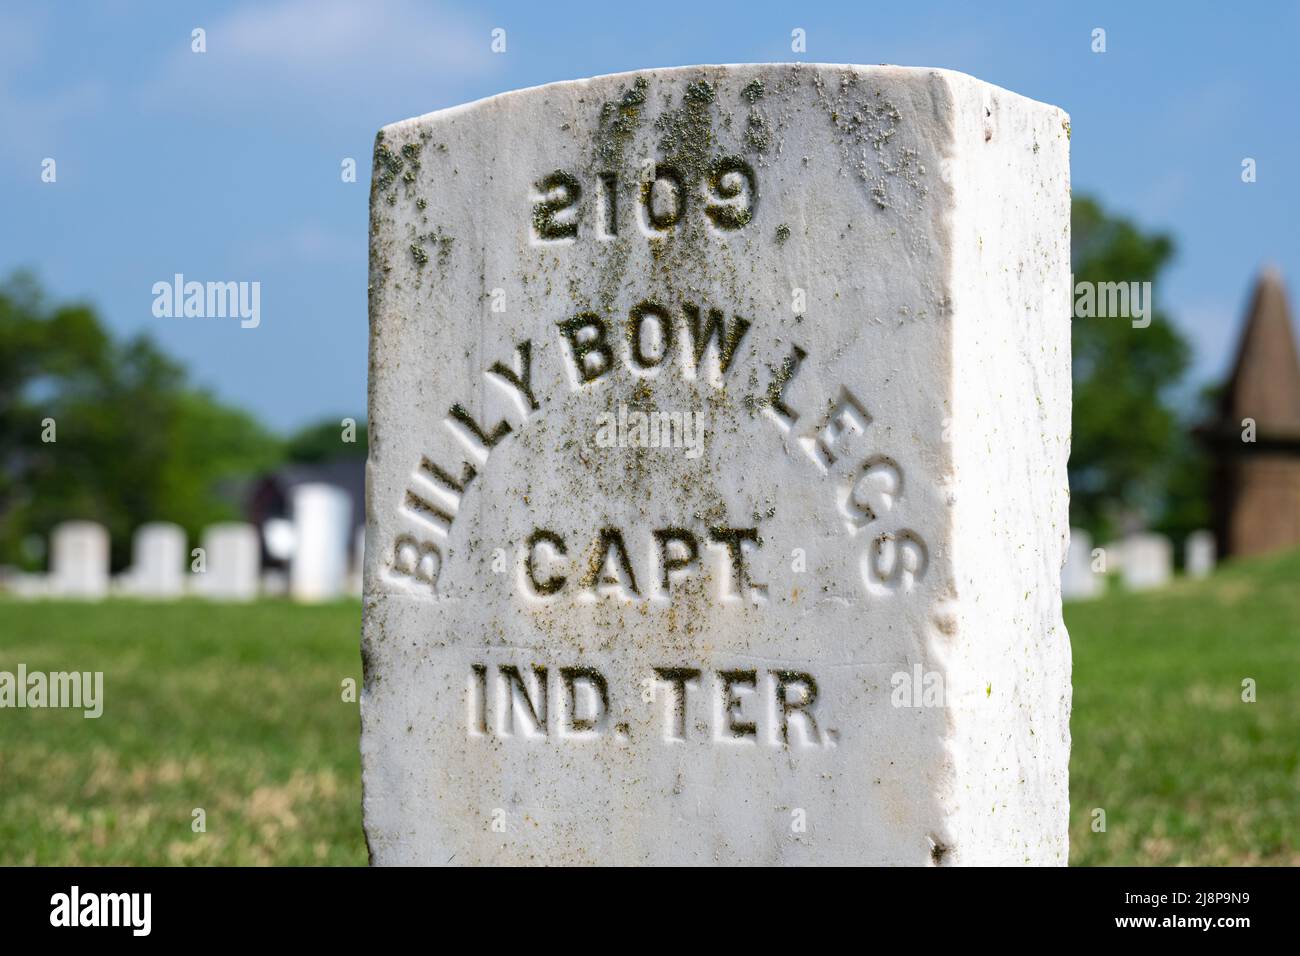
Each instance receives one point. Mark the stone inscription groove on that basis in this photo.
(727, 196)
(892, 560)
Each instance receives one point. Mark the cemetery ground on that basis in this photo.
(238, 710)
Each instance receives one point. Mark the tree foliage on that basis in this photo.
(323, 441)
(133, 441)
(1131, 460)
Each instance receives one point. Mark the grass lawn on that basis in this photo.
(1187, 772)
(238, 710)
(234, 709)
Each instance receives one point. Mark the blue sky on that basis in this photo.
(226, 165)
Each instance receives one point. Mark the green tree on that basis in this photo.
(325, 441)
(1131, 456)
(133, 441)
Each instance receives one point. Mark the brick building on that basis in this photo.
(1255, 493)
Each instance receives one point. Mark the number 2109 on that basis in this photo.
(727, 196)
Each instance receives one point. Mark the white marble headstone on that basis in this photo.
(1200, 554)
(717, 484)
(322, 520)
(1148, 561)
(232, 562)
(159, 561)
(79, 556)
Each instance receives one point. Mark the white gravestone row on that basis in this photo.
(1146, 561)
(1143, 561)
(699, 531)
(228, 569)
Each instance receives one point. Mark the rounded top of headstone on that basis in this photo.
(788, 75)
(78, 526)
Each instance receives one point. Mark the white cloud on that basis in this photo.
(314, 52)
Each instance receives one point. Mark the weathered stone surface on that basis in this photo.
(79, 560)
(358, 562)
(823, 625)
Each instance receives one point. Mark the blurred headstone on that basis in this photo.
(1148, 561)
(1078, 581)
(233, 561)
(322, 518)
(819, 622)
(158, 561)
(1199, 554)
(79, 554)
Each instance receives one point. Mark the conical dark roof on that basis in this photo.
(1265, 382)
